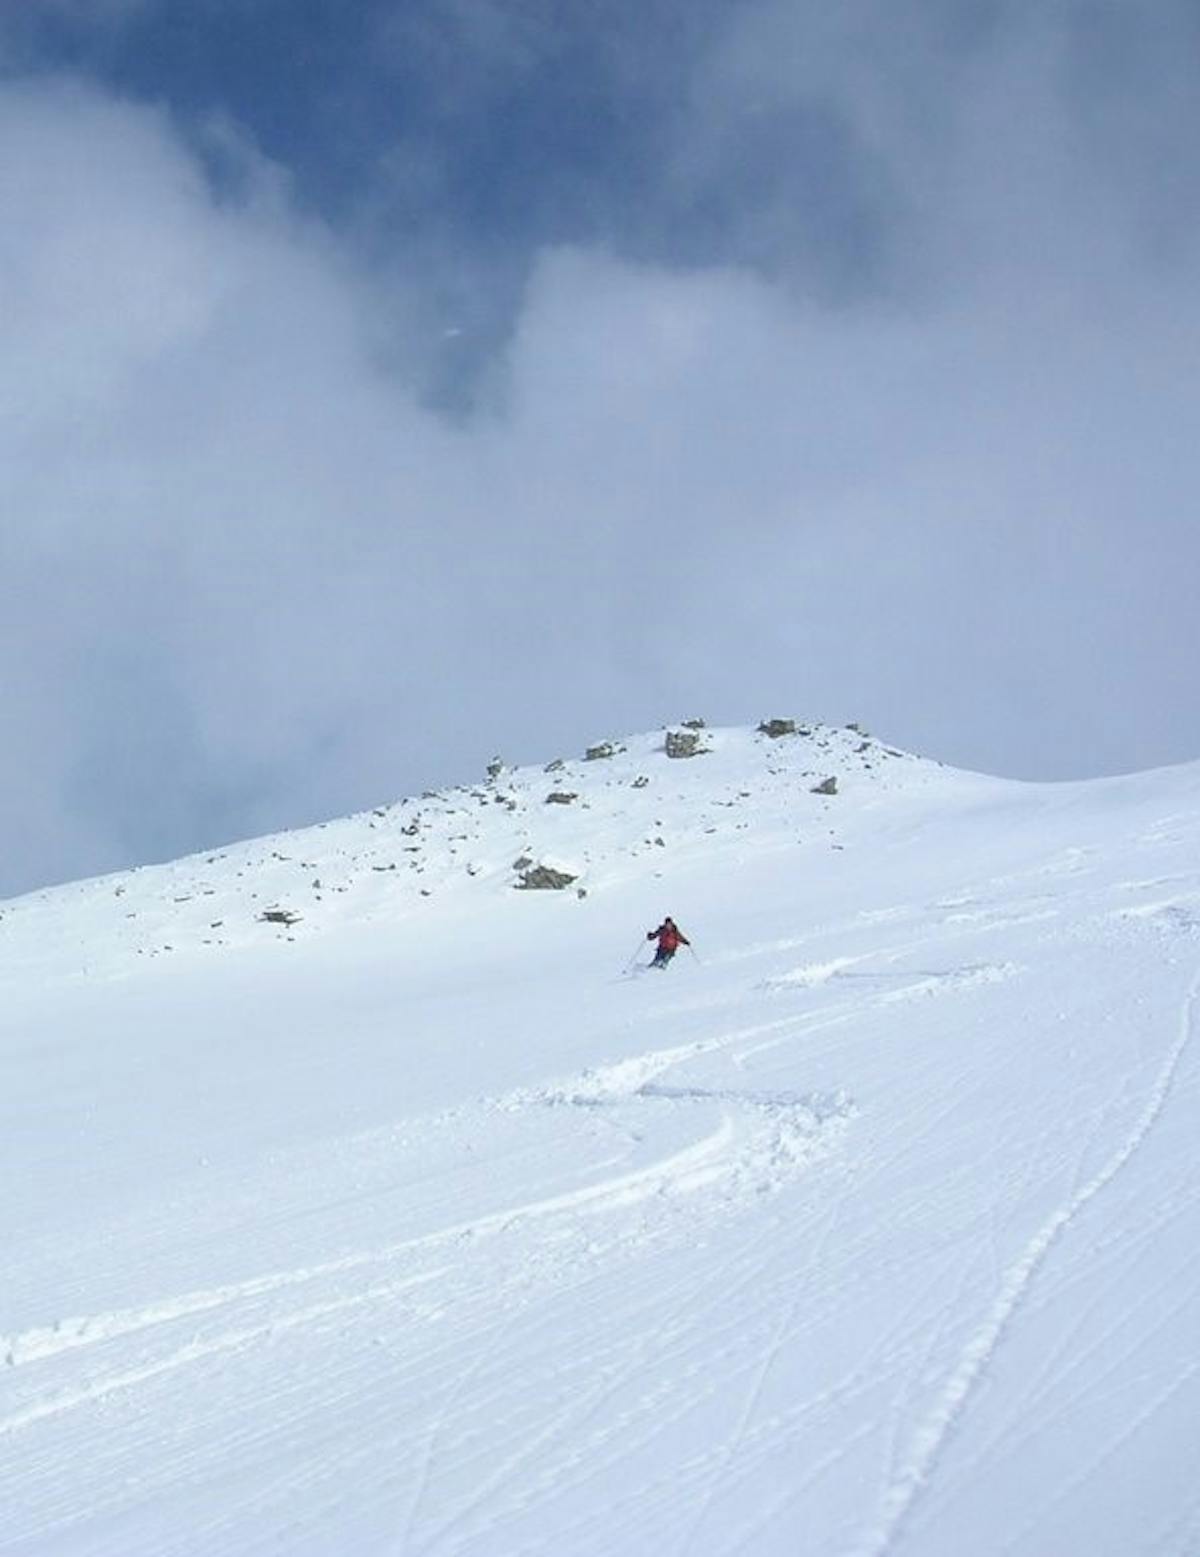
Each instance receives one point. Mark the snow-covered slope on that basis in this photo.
(360, 1202)
(600, 820)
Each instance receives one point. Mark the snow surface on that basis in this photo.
(426, 1224)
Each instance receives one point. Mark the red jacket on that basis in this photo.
(670, 936)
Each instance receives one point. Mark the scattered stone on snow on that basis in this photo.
(603, 750)
(561, 797)
(777, 727)
(284, 916)
(828, 786)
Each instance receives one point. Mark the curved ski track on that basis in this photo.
(746, 1144)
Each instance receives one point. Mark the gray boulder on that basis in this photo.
(683, 743)
(543, 878)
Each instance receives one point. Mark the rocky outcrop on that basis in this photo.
(683, 743)
(543, 878)
(827, 786)
(777, 727)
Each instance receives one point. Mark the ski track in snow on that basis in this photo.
(690, 1168)
(907, 1484)
(756, 1144)
(197, 1350)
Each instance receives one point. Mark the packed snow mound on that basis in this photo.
(587, 824)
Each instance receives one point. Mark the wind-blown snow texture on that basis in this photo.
(423, 1225)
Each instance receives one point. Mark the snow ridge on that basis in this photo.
(619, 817)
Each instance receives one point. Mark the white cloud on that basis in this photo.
(249, 579)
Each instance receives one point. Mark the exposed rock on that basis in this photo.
(641, 781)
(543, 878)
(777, 727)
(495, 768)
(828, 786)
(694, 724)
(554, 767)
(285, 916)
(683, 743)
(561, 797)
(605, 749)
(523, 863)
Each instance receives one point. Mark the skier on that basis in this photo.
(670, 938)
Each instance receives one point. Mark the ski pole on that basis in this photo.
(637, 953)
